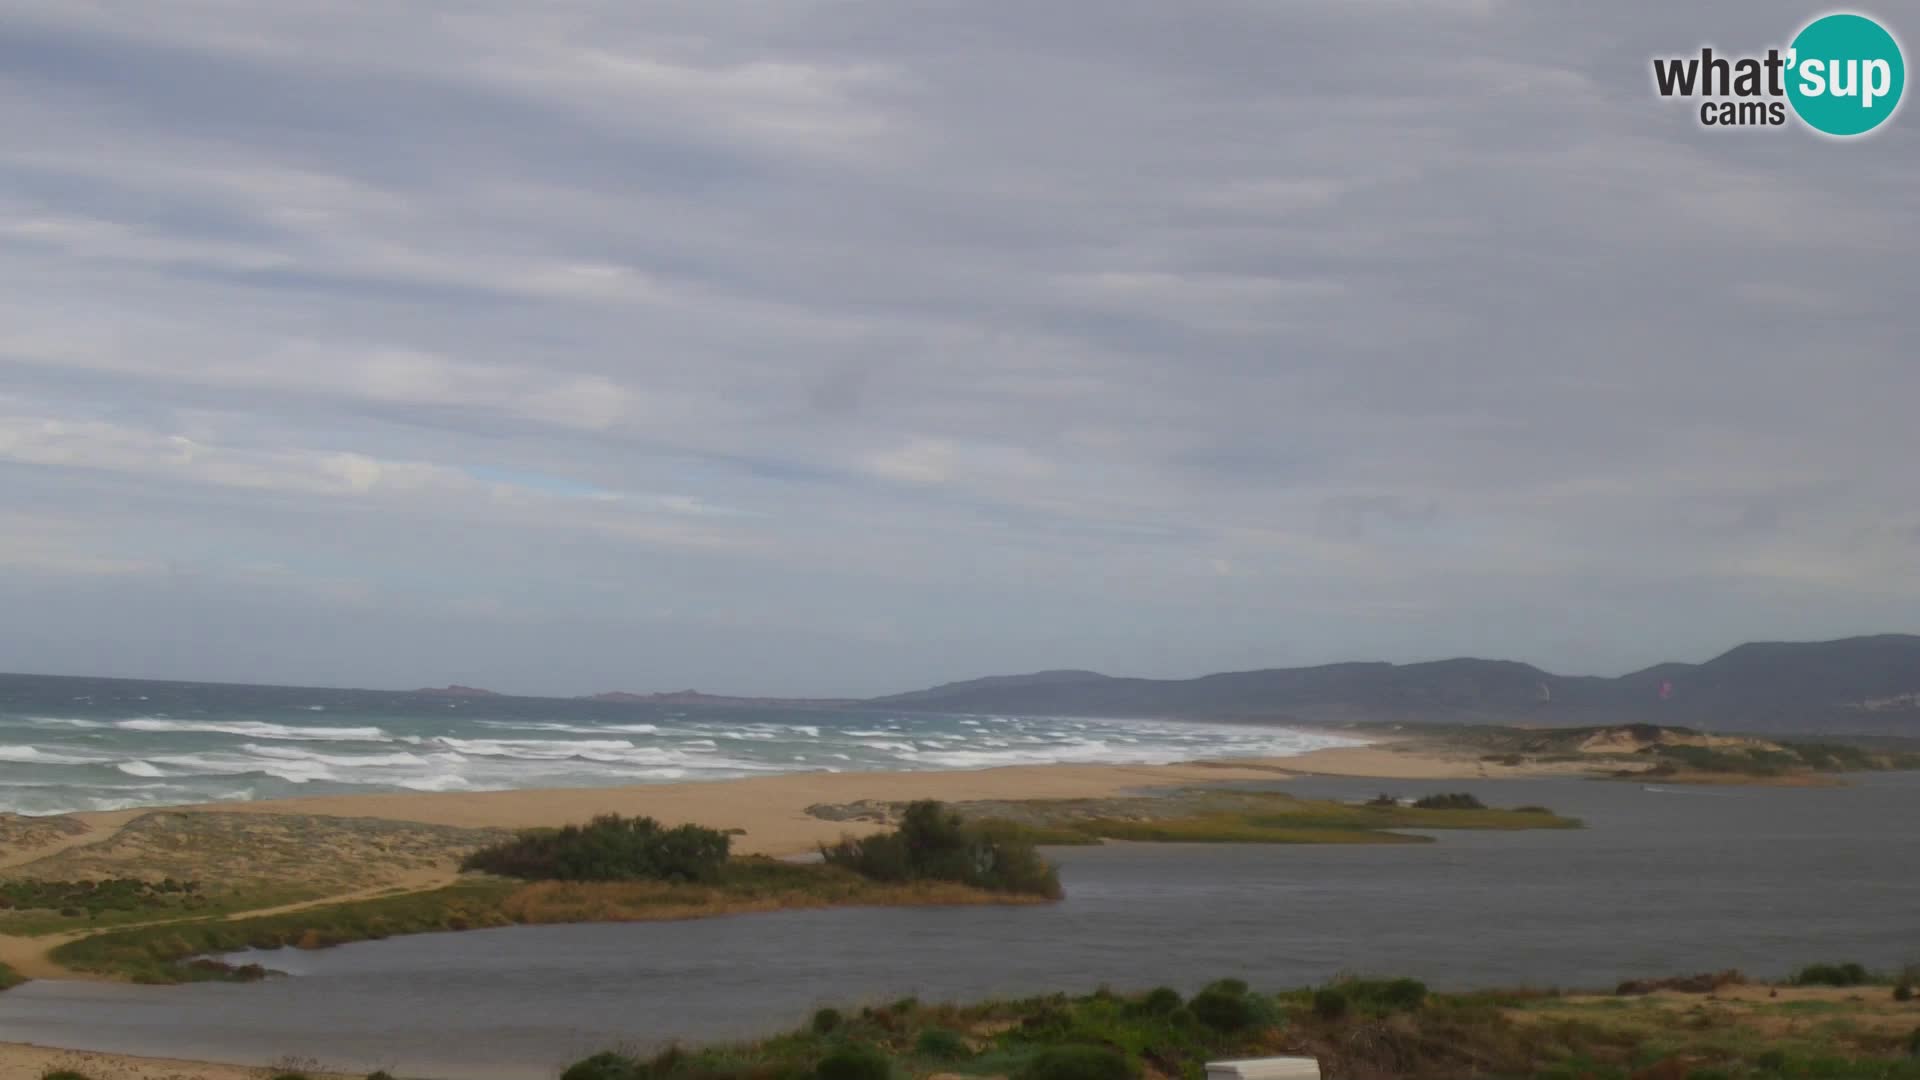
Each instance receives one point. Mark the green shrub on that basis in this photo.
(1078, 1063)
(1386, 995)
(1160, 1001)
(1913, 1043)
(942, 1044)
(1223, 1011)
(1330, 1003)
(1236, 987)
(934, 844)
(606, 1065)
(1458, 800)
(827, 1021)
(853, 1063)
(1903, 992)
(1848, 974)
(608, 848)
(380, 1074)
(1774, 1060)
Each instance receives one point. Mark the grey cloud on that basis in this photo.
(1180, 338)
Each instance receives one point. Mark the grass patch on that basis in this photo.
(159, 954)
(198, 904)
(10, 978)
(166, 953)
(1268, 818)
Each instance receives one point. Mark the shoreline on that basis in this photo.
(772, 808)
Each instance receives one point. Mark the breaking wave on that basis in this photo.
(51, 763)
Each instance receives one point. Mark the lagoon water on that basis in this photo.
(1662, 881)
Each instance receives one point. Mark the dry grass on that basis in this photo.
(289, 852)
(646, 901)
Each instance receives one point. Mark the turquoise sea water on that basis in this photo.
(102, 744)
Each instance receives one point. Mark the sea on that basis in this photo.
(70, 744)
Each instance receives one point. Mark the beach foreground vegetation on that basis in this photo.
(1380, 1028)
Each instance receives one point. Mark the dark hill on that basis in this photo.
(1863, 685)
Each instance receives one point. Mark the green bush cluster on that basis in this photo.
(1370, 997)
(1848, 974)
(1228, 1006)
(1458, 800)
(608, 848)
(942, 1044)
(934, 844)
(854, 1062)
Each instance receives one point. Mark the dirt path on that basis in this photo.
(29, 955)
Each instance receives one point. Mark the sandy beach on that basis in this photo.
(772, 810)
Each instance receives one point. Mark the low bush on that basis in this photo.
(1160, 1001)
(1903, 992)
(1078, 1063)
(854, 1063)
(828, 1021)
(63, 1074)
(1848, 974)
(603, 1066)
(608, 848)
(942, 1044)
(1458, 800)
(1222, 1010)
(934, 844)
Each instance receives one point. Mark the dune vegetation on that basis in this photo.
(1212, 815)
(1358, 1029)
(611, 869)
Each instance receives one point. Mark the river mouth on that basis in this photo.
(1661, 882)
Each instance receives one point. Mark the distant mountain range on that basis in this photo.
(1858, 686)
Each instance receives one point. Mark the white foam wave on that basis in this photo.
(65, 721)
(140, 768)
(255, 729)
(289, 753)
(33, 755)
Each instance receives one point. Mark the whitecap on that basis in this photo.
(33, 755)
(255, 729)
(140, 768)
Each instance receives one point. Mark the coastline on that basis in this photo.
(774, 812)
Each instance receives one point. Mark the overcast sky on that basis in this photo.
(843, 347)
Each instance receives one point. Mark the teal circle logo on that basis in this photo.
(1846, 74)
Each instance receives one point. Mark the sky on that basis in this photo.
(834, 347)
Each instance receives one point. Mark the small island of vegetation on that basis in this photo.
(612, 869)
